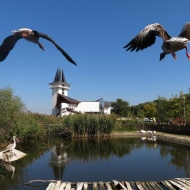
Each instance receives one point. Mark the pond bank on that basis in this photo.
(182, 139)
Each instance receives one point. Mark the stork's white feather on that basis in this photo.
(22, 29)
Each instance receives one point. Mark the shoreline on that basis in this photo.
(180, 139)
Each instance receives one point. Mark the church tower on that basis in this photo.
(58, 86)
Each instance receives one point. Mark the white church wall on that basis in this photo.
(107, 110)
(56, 89)
(87, 107)
(65, 105)
(54, 100)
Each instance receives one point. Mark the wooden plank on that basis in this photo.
(167, 185)
(50, 185)
(114, 183)
(173, 184)
(85, 186)
(101, 185)
(139, 186)
(145, 186)
(122, 186)
(148, 185)
(182, 183)
(57, 185)
(62, 186)
(108, 185)
(95, 186)
(68, 186)
(183, 180)
(79, 186)
(155, 185)
(177, 185)
(128, 185)
(78, 183)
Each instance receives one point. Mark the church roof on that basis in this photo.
(107, 104)
(59, 77)
(65, 99)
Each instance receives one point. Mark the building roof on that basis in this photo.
(65, 99)
(59, 77)
(107, 104)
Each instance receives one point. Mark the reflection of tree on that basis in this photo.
(93, 149)
(180, 157)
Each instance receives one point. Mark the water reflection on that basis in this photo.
(129, 159)
(9, 168)
(59, 159)
(149, 138)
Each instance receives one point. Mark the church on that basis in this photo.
(62, 104)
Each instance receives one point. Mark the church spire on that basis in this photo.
(59, 76)
(58, 86)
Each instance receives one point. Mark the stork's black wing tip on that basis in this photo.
(74, 63)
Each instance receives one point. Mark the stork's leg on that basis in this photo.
(40, 45)
(187, 53)
(174, 55)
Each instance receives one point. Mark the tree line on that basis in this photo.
(175, 109)
(16, 119)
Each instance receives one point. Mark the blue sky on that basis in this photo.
(93, 33)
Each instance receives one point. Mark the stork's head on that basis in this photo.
(14, 138)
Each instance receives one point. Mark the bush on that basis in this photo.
(15, 119)
(87, 125)
(127, 125)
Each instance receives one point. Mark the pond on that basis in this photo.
(89, 160)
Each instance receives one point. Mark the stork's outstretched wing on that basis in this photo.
(57, 46)
(7, 45)
(147, 37)
(185, 32)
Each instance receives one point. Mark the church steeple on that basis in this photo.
(58, 86)
(59, 76)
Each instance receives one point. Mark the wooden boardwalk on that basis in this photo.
(173, 184)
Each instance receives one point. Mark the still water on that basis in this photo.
(130, 159)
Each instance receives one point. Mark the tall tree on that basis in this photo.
(121, 108)
(162, 106)
(11, 109)
(150, 109)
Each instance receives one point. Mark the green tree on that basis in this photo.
(137, 111)
(11, 108)
(150, 109)
(121, 108)
(175, 107)
(162, 106)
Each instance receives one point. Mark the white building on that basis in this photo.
(62, 104)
